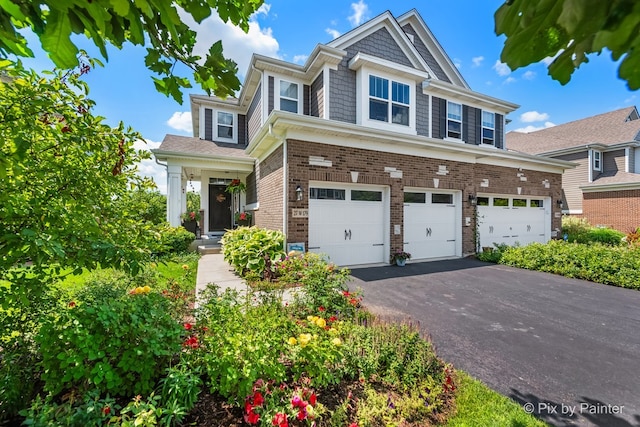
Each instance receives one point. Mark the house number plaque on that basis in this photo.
(300, 213)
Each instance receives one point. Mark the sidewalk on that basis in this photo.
(212, 268)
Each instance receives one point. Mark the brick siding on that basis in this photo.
(417, 172)
(615, 209)
(271, 175)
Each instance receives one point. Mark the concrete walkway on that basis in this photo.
(212, 268)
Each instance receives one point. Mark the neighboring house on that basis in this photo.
(605, 187)
(375, 143)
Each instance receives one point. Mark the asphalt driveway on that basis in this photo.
(567, 349)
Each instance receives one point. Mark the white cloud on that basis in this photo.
(237, 44)
(532, 128)
(529, 75)
(457, 63)
(300, 59)
(333, 33)
(477, 60)
(181, 120)
(149, 167)
(630, 99)
(509, 80)
(501, 68)
(533, 116)
(360, 13)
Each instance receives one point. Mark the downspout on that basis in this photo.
(166, 171)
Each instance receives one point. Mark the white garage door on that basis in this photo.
(513, 220)
(431, 224)
(347, 223)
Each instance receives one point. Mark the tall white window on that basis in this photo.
(488, 128)
(385, 108)
(597, 160)
(454, 120)
(225, 125)
(288, 96)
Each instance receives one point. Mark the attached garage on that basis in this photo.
(432, 223)
(513, 220)
(349, 223)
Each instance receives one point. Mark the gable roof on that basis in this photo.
(607, 129)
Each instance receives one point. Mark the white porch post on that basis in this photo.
(174, 194)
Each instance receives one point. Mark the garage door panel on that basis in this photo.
(512, 225)
(430, 229)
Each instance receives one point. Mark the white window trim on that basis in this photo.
(461, 121)
(483, 127)
(276, 92)
(234, 127)
(362, 102)
(594, 160)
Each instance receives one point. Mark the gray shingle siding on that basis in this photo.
(422, 112)
(426, 55)
(343, 80)
(317, 96)
(254, 119)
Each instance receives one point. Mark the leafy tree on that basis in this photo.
(149, 205)
(571, 29)
(154, 23)
(61, 171)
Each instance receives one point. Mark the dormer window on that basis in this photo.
(454, 120)
(225, 125)
(386, 109)
(488, 128)
(289, 96)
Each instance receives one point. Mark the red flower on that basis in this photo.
(242, 216)
(302, 414)
(296, 401)
(280, 420)
(106, 410)
(248, 407)
(353, 301)
(252, 418)
(258, 399)
(346, 293)
(191, 342)
(72, 304)
(353, 425)
(188, 326)
(333, 319)
(312, 399)
(321, 308)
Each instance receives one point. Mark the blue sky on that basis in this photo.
(289, 30)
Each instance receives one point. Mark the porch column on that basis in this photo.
(174, 194)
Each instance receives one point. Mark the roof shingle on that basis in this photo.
(196, 146)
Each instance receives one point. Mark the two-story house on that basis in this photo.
(375, 143)
(605, 186)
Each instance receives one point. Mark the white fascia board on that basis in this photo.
(282, 125)
(188, 159)
(469, 97)
(364, 60)
(610, 187)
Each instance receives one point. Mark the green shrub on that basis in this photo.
(87, 410)
(115, 342)
(494, 254)
(172, 240)
(610, 265)
(606, 236)
(253, 250)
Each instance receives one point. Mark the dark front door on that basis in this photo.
(219, 208)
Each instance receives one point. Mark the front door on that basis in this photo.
(219, 208)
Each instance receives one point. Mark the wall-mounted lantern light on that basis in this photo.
(560, 203)
(299, 193)
(472, 199)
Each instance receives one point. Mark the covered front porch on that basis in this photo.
(214, 172)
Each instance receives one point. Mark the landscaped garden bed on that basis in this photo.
(115, 349)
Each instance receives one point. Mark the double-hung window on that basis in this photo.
(288, 96)
(225, 125)
(389, 101)
(597, 160)
(488, 128)
(454, 120)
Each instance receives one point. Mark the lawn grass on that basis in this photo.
(478, 405)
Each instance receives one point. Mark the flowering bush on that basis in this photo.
(242, 216)
(190, 216)
(399, 254)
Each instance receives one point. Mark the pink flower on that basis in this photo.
(296, 401)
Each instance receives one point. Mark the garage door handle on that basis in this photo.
(452, 240)
(378, 244)
(428, 231)
(314, 247)
(347, 234)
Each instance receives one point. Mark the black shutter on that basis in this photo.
(443, 118)
(208, 124)
(478, 140)
(499, 131)
(465, 124)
